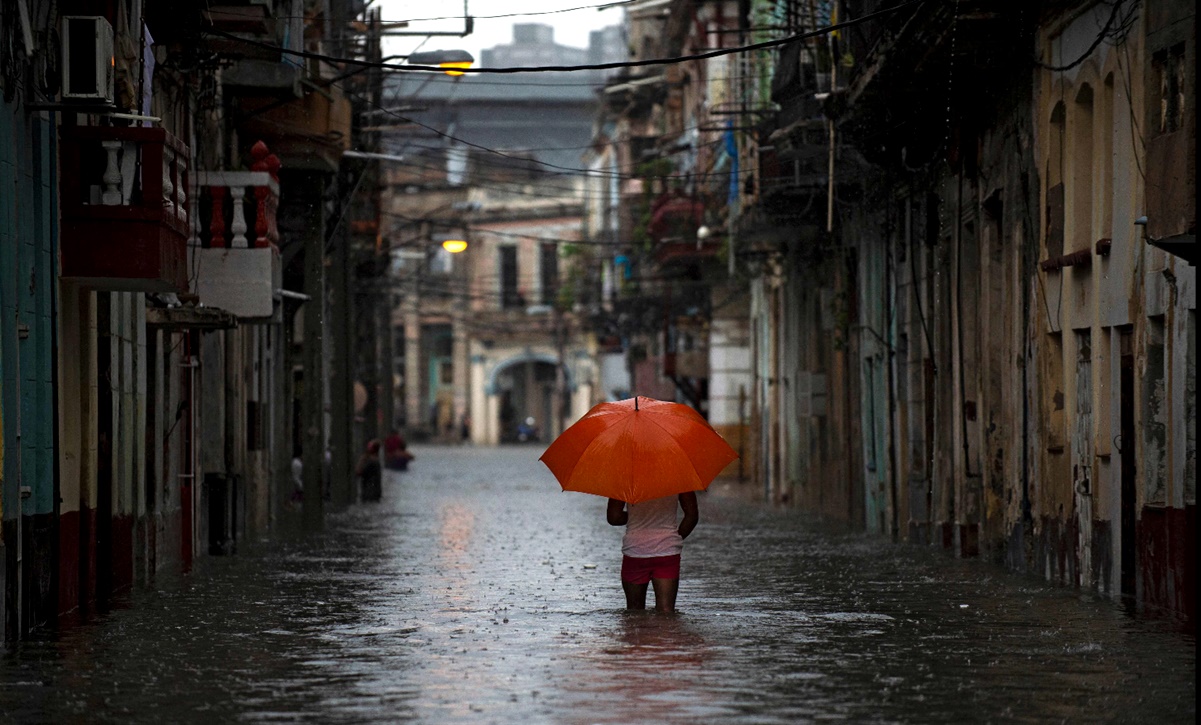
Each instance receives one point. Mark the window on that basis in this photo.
(510, 295)
(1082, 170)
(1169, 68)
(1055, 195)
(550, 273)
(1108, 131)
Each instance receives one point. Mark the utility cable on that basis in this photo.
(502, 154)
(674, 60)
(1113, 15)
(598, 7)
(451, 137)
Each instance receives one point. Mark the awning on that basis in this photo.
(1179, 245)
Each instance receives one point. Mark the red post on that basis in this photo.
(266, 233)
(260, 216)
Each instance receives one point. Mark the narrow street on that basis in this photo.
(477, 592)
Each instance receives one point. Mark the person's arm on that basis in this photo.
(691, 514)
(616, 514)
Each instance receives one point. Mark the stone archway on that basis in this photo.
(521, 394)
(494, 376)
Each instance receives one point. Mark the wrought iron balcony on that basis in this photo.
(124, 208)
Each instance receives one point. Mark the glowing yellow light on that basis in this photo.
(454, 246)
(455, 64)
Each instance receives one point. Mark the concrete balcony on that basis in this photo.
(235, 257)
(125, 211)
(241, 281)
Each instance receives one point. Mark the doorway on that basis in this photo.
(1125, 447)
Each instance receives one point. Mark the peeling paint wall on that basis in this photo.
(28, 269)
(1038, 406)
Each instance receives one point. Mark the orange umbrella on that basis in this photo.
(638, 449)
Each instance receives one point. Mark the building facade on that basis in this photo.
(966, 243)
(150, 288)
(492, 336)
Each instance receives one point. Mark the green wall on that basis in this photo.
(28, 264)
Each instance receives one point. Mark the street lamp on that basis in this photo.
(451, 60)
(454, 246)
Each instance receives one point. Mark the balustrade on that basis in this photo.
(235, 242)
(228, 200)
(124, 208)
(138, 170)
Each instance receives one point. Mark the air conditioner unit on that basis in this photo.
(87, 58)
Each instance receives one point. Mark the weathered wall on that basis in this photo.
(28, 267)
(730, 378)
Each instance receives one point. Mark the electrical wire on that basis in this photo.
(598, 7)
(675, 60)
(504, 81)
(1113, 15)
(513, 235)
(584, 147)
(524, 160)
(577, 173)
(471, 144)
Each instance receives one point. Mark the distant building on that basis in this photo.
(534, 44)
(549, 115)
(488, 337)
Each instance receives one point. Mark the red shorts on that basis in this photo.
(639, 570)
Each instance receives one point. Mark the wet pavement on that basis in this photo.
(477, 592)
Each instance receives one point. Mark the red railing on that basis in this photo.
(229, 200)
(124, 208)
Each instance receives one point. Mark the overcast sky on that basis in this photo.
(571, 28)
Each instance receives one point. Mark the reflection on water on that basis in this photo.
(475, 592)
(644, 666)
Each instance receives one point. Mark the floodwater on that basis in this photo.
(477, 592)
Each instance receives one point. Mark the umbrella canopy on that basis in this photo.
(638, 449)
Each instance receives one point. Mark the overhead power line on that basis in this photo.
(490, 82)
(763, 45)
(600, 66)
(477, 229)
(595, 173)
(392, 21)
(602, 6)
(1113, 15)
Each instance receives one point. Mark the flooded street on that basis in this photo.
(477, 592)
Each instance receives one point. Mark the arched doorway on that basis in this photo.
(526, 392)
(525, 389)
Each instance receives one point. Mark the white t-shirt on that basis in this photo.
(652, 529)
(298, 473)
